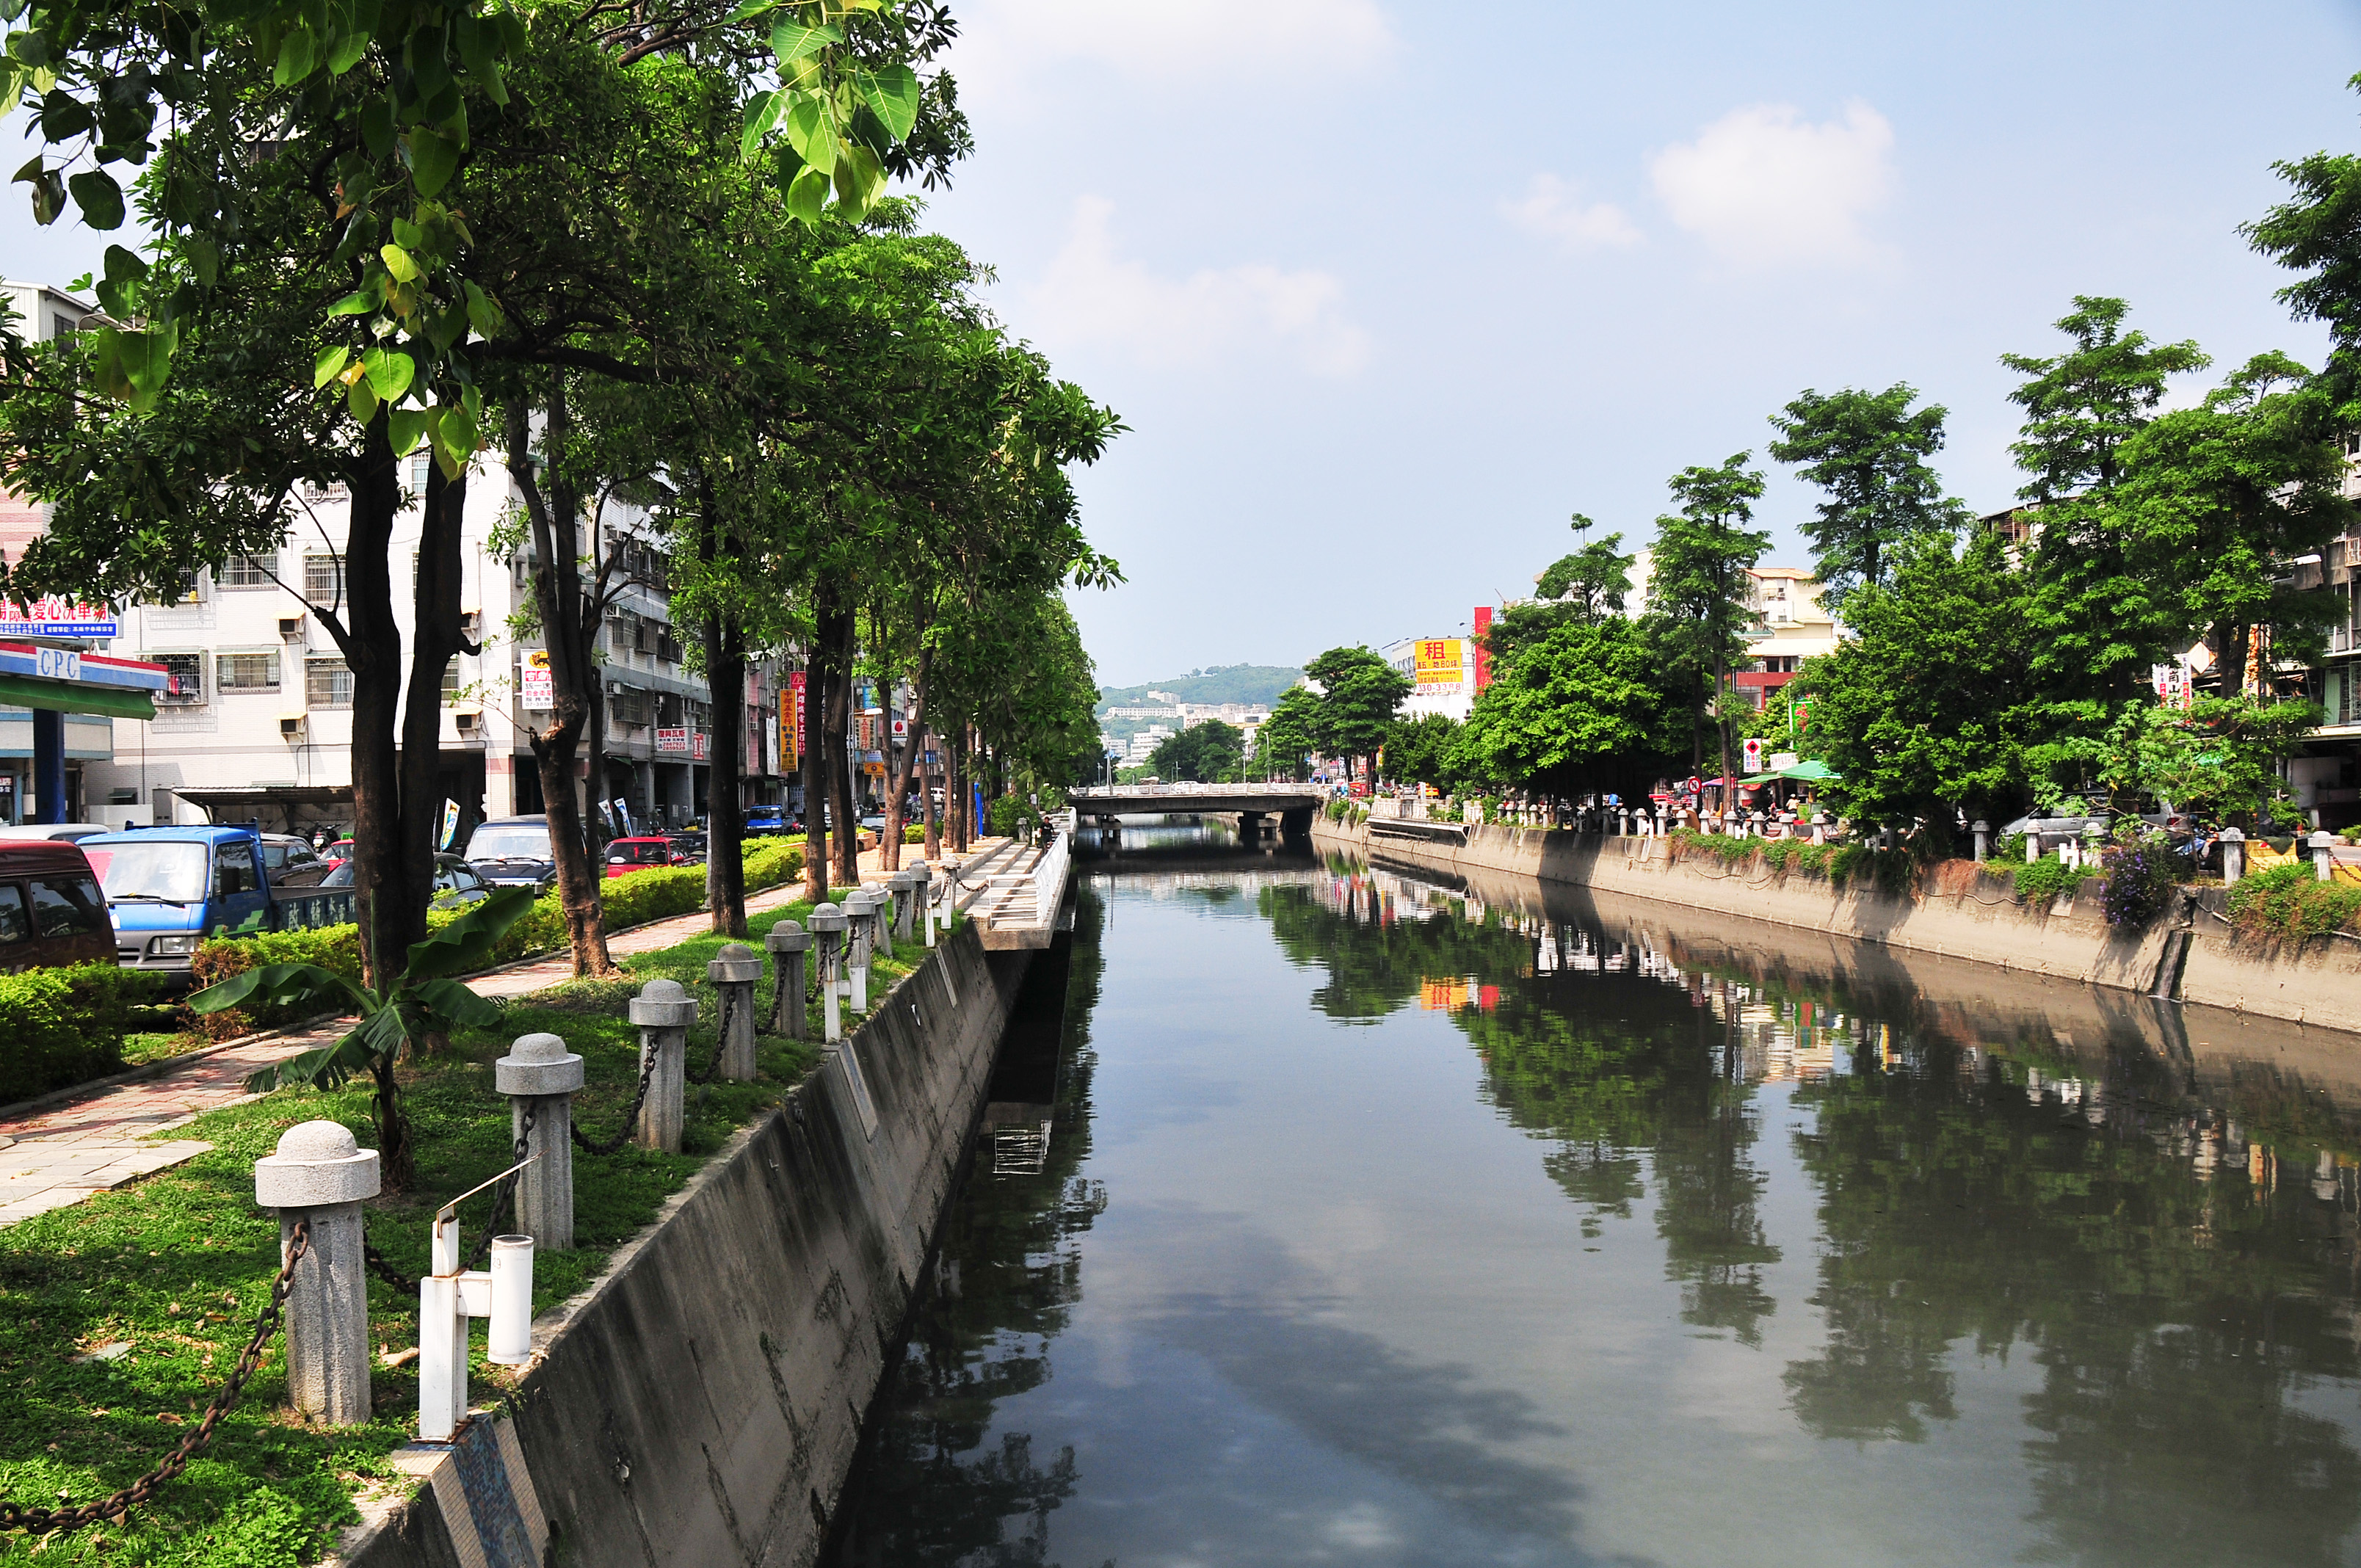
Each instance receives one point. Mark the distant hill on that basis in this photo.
(1219, 682)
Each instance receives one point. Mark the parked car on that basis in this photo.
(764, 820)
(513, 851)
(169, 888)
(62, 832)
(291, 862)
(51, 910)
(456, 884)
(691, 847)
(627, 855)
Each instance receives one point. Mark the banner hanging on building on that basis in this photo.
(1441, 662)
(57, 616)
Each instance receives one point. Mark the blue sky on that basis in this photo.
(1385, 300)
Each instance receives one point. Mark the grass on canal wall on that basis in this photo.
(120, 1316)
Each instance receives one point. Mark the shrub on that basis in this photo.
(2138, 880)
(1010, 816)
(66, 1025)
(2038, 882)
(2290, 901)
(2010, 848)
(1336, 810)
(657, 893)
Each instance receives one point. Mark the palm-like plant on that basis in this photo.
(394, 1015)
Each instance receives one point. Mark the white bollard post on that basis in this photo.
(790, 944)
(511, 1336)
(540, 1077)
(828, 928)
(664, 1010)
(946, 899)
(734, 972)
(2322, 860)
(319, 1178)
(2233, 856)
(923, 895)
(861, 944)
(1983, 830)
(447, 1297)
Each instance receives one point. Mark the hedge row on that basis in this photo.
(2291, 901)
(634, 898)
(66, 1025)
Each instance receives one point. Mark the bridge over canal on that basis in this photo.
(1292, 804)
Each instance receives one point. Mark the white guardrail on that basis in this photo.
(1050, 878)
(1160, 791)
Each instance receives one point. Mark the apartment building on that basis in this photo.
(1786, 626)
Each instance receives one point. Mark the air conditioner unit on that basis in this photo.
(465, 719)
(291, 627)
(471, 625)
(291, 727)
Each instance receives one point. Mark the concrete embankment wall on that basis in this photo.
(701, 1403)
(1959, 913)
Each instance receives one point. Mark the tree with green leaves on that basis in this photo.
(1421, 751)
(1583, 706)
(2317, 232)
(1360, 695)
(1928, 707)
(1290, 736)
(1867, 451)
(2219, 502)
(1208, 752)
(1592, 582)
(1698, 587)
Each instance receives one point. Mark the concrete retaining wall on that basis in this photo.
(1961, 915)
(701, 1403)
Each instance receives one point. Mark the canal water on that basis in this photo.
(1380, 1219)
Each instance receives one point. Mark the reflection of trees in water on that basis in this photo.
(1622, 1074)
(2174, 1314)
(928, 1490)
(2177, 1308)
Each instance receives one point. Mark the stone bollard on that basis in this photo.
(882, 899)
(320, 1177)
(734, 972)
(1819, 826)
(664, 1010)
(540, 1077)
(945, 902)
(2032, 846)
(788, 943)
(2323, 862)
(922, 899)
(860, 945)
(2233, 856)
(828, 929)
(904, 886)
(1983, 830)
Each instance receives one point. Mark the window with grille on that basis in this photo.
(451, 682)
(327, 683)
(183, 592)
(257, 672)
(247, 572)
(323, 579)
(184, 679)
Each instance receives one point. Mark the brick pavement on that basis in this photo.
(59, 1156)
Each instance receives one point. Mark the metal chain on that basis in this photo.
(507, 1190)
(721, 1039)
(387, 1272)
(630, 1117)
(66, 1520)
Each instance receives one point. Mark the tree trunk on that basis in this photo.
(725, 670)
(955, 787)
(926, 811)
(390, 881)
(847, 840)
(436, 640)
(898, 786)
(815, 769)
(556, 520)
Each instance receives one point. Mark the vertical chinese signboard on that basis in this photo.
(1483, 655)
(791, 724)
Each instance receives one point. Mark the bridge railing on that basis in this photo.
(1163, 790)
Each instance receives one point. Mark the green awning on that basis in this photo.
(1813, 771)
(75, 696)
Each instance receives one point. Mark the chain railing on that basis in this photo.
(66, 1519)
(588, 1144)
(408, 1284)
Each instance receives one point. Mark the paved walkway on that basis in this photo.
(60, 1155)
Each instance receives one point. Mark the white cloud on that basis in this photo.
(1002, 41)
(1552, 209)
(1092, 293)
(1762, 185)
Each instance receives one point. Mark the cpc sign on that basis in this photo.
(57, 663)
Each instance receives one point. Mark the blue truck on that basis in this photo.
(168, 889)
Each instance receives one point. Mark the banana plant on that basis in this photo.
(395, 1015)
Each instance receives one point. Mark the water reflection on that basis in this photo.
(2024, 1271)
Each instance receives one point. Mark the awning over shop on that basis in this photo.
(1808, 772)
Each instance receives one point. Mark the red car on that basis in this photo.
(625, 856)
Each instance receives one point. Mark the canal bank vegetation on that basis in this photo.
(120, 1316)
(2137, 636)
